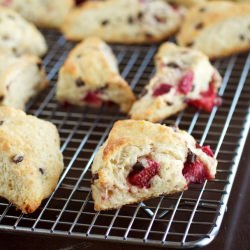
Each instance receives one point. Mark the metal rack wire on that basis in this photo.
(188, 219)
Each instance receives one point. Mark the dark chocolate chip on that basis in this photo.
(190, 44)
(105, 22)
(242, 37)
(148, 35)
(17, 158)
(173, 65)
(1, 98)
(143, 93)
(160, 19)
(130, 20)
(169, 103)
(79, 2)
(79, 56)
(41, 171)
(103, 88)
(39, 65)
(138, 167)
(94, 177)
(79, 82)
(202, 9)
(5, 37)
(1, 123)
(140, 15)
(191, 157)
(199, 26)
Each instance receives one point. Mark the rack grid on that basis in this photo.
(183, 220)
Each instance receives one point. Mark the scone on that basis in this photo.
(123, 21)
(141, 160)
(217, 28)
(30, 159)
(21, 77)
(19, 36)
(43, 13)
(183, 77)
(90, 76)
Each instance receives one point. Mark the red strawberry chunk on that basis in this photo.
(195, 172)
(208, 101)
(185, 85)
(162, 89)
(142, 178)
(93, 98)
(7, 2)
(207, 150)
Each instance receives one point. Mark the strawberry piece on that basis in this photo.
(206, 149)
(195, 172)
(185, 85)
(162, 89)
(141, 177)
(93, 98)
(7, 3)
(208, 101)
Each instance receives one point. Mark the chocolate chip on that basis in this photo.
(5, 37)
(173, 65)
(202, 9)
(17, 158)
(148, 35)
(105, 22)
(190, 44)
(160, 19)
(79, 82)
(79, 56)
(140, 15)
(94, 177)
(79, 2)
(143, 93)
(1, 123)
(39, 65)
(199, 26)
(191, 157)
(138, 167)
(1, 98)
(41, 171)
(169, 103)
(103, 88)
(130, 20)
(242, 37)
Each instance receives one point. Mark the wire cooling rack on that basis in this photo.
(187, 219)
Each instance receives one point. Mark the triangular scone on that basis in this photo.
(90, 76)
(217, 28)
(30, 159)
(183, 77)
(21, 77)
(18, 35)
(43, 13)
(123, 21)
(141, 160)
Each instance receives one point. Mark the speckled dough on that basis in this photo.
(129, 140)
(172, 64)
(123, 21)
(44, 13)
(91, 67)
(19, 36)
(30, 159)
(217, 28)
(21, 77)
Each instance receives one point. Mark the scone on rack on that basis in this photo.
(123, 21)
(19, 36)
(142, 160)
(30, 159)
(43, 13)
(90, 76)
(218, 28)
(21, 77)
(183, 77)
